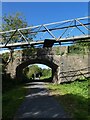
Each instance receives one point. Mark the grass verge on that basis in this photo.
(11, 101)
(73, 96)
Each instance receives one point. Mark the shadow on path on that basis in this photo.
(39, 104)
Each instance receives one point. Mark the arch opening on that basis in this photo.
(27, 65)
(38, 72)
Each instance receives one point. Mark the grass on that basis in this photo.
(73, 96)
(11, 101)
(45, 77)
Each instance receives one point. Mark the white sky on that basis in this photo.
(3, 51)
(42, 66)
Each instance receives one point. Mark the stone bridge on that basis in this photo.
(64, 67)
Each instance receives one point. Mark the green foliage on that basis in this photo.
(5, 56)
(7, 82)
(26, 70)
(73, 96)
(33, 69)
(13, 22)
(78, 49)
(83, 44)
(46, 72)
(11, 101)
(57, 51)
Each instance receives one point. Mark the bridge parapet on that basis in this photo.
(52, 54)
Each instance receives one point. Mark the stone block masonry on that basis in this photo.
(65, 67)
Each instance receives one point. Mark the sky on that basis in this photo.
(38, 13)
(46, 12)
(44, 0)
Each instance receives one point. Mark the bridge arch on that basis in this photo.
(51, 64)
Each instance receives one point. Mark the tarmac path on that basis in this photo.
(39, 104)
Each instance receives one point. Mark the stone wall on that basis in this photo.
(70, 67)
(73, 67)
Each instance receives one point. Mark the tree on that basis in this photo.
(5, 57)
(26, 70)
(46, 72)
(34, 69)
(13, 22)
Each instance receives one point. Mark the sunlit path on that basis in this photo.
(39, 104)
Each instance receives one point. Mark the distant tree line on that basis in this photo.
(34, 71)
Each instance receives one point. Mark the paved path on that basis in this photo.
(39, 104)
